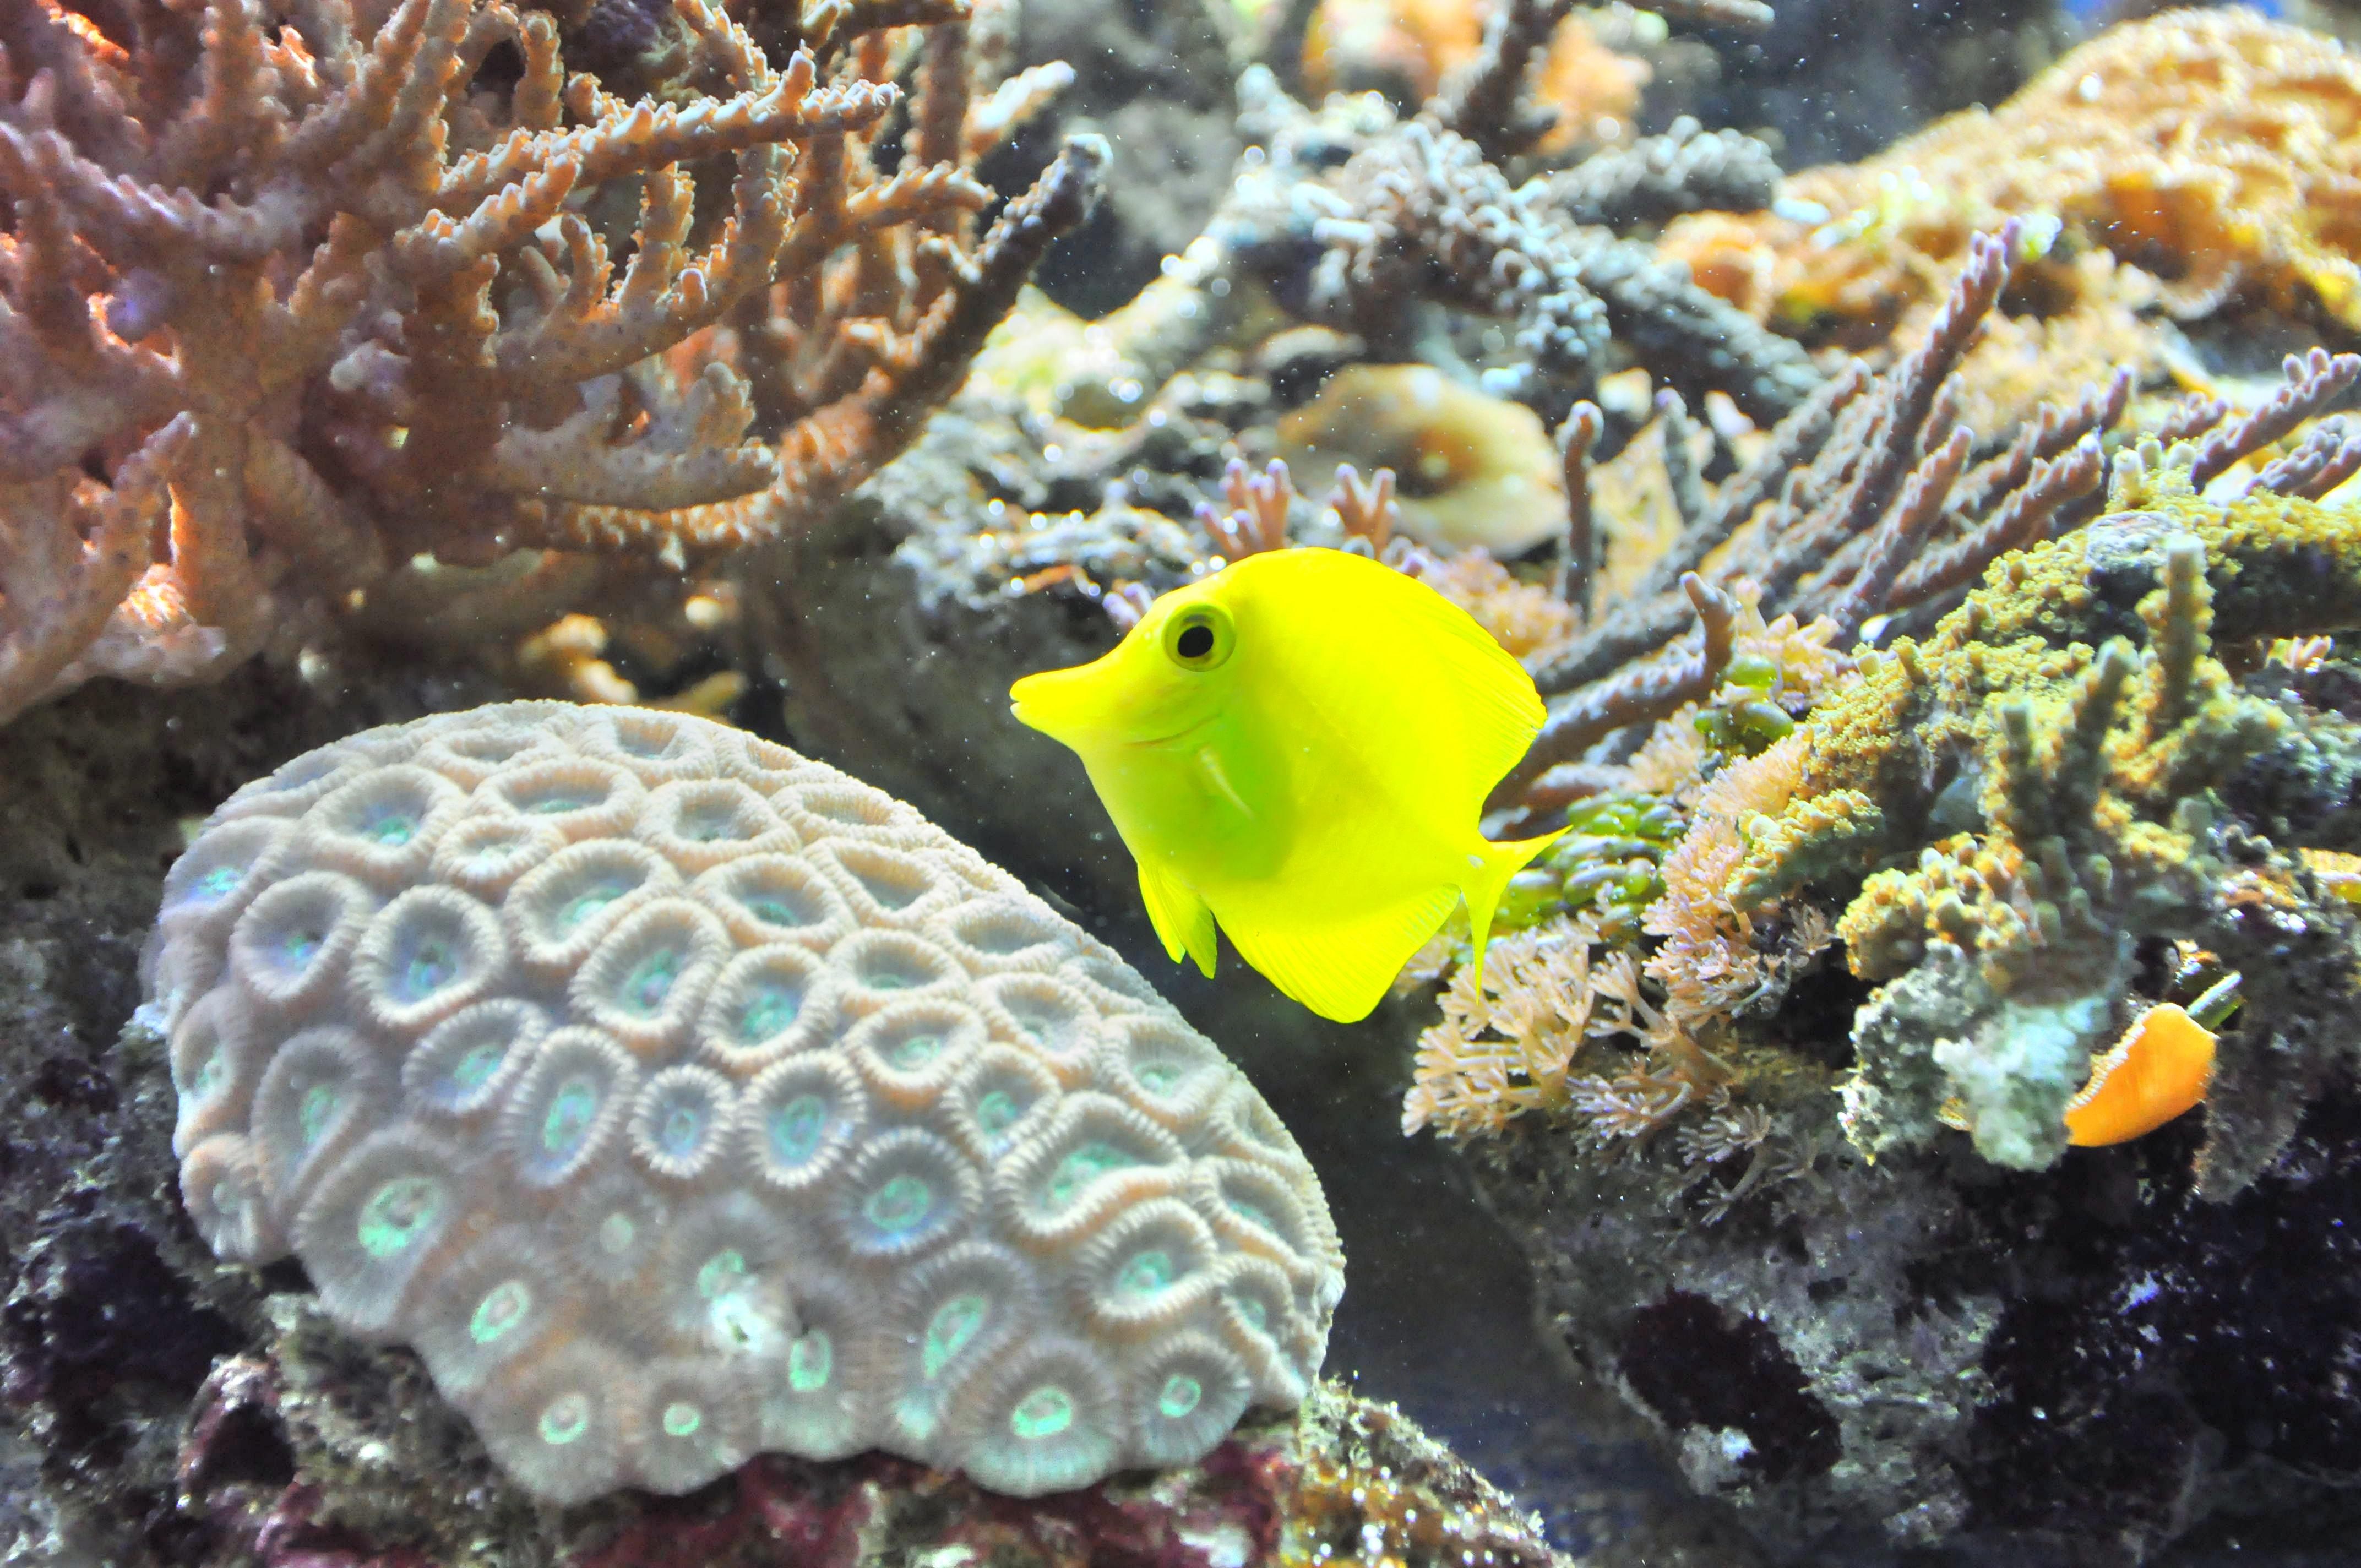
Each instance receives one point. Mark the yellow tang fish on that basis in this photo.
(1299, 747)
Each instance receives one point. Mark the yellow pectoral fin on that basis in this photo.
(1179, 915)
(1338, 967)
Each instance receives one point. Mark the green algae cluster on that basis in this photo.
(1606, 864)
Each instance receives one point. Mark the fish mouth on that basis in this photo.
(1036, 699)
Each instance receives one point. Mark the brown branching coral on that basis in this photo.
(1256, 509)
(1861, 504)
(291, 294)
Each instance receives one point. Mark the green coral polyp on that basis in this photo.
(616, 1233)
(770, 1009)
(1607, 862)
(810, 1361)
(900, 1205)
(1080, 1168)
(646, 988)
(475, 1069)
(565, 1420)
(681, 1131)
(996, 1111)
(573, 1111)
(397, 1215)
(915, 1051)
(582, 905)
(952, 1328)
(1251, 1214)
(722, 1272)
(504, 1308)
(1043, 1413)
(795, 1129)
(1145, 1275)
(392, 831)
(313, 1112)
(1180, 1396)
(432, 968)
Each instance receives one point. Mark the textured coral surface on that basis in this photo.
(678, 1097)
(2212, 150)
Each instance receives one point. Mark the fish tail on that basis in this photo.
(1495, 864)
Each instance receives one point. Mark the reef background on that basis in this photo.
(161, 1408)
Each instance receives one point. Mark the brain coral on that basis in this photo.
(676, 1098)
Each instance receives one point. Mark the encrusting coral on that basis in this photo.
(293, 294)
(2185, 160)
(676, 1098)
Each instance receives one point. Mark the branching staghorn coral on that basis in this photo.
(292, 294)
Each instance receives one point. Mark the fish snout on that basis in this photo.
(1055, 702)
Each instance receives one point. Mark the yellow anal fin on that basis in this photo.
(1341, 967)
(1179, 915)
(1488, 878)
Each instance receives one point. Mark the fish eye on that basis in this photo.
(1200, 637)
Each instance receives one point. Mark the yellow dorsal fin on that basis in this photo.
(1179, 915)
(1384, 657)
(1341, 967)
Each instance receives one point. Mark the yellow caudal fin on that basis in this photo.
(1496, 863)
(1340, 968)
(1179, 915)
